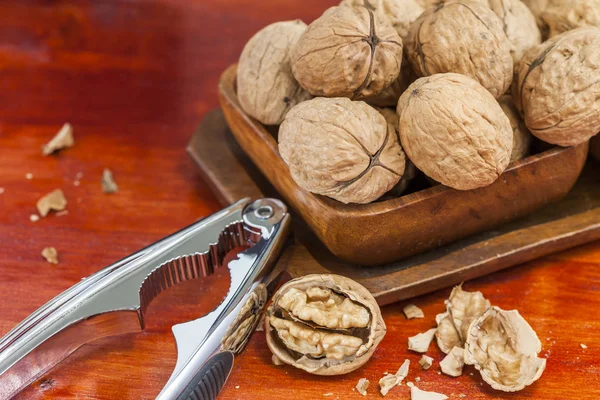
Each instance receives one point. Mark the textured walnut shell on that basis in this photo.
(342, 149)
(399, 13)
(464, 37)
(521, 136)
(335, 318)
(557, 88)
(454, 131)
(519, 24)
(347, 52)
(504, 348)
(266, 87)
(537, 7)
(241, 328)
(564, 15)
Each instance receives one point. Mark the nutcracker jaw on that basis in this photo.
(114, 300)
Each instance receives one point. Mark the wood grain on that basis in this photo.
(135, 79)
(397, 228)
(572, 221)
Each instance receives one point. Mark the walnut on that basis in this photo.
(342, 149)
(519, 24)
(347, 52)
(557, 88)
(454, 131)
(465, 37)
(454, 362)
(504, 348)
(399, 13)
(426, 362)
(521, 136)
(390, 381)
(562, 16)
(238, 333)
(411, 311)
(266, 87)
(324, 324)
(420, 342)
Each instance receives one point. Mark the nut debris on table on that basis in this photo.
(54, 200)
(63, 139)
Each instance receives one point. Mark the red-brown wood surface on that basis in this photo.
(134, 79)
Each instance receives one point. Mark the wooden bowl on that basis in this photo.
(389, 230)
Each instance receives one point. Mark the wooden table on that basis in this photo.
(135, 80)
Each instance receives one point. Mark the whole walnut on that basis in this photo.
(324, 324)
(399, 13)
(562, 16)
(519, 24)
(521, 136)
(266, 87)
(557, 89)
(464, 37)
(342, 149)
(347, 52)
(454, 131)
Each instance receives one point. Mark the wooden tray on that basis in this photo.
(572, 221)
(389, 230)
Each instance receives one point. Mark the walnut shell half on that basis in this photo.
(504, 348)
(342, 149)
(454, 131)
(557, 88)
(266, 87)
(347, 52)
(324, 324)
(464, 37)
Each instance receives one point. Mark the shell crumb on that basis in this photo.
(362, 386)
(54, 200)
(63, 139)
(108, 183)
(411, 311)
(34, 217)
(50, 254)
(583, 346)
(29, 176)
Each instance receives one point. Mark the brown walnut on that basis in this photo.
(562, 15)
(347, 52)
(324, 324)
(464, 37)
(266, 87)
(521, 136)
(557, 89)
(399, 13)
(342, 149)
(454, 131)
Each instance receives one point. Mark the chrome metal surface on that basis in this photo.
(114, 300)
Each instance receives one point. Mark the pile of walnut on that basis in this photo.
(470, 79)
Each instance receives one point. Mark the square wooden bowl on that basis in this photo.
(389, 230)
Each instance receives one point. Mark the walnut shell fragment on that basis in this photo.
(446, 335)
(63, 139)
(347, 52)
(562, 16)
(557, 88)
(464, 307)
(388, 382)
(420, 342)
(411, 311)
(238, 333)
(50, 254)
(519, 25)
(522, 138)
(454, 131)
(362, 386)
(266, 87)
(108, 183)
(464, 37)
(504, 348)
(342, 149)
(454, 362)
(324, 324)
(426, 362)
(54, 200)
(418, 394)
